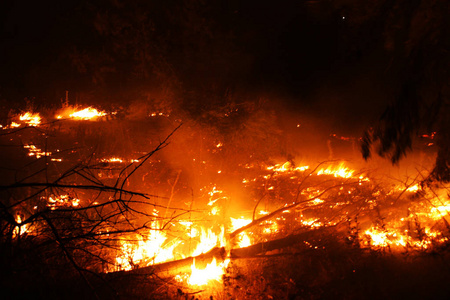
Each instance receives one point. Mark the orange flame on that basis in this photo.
(89, 113)
(339, 171)
(212, 272)
(244, 239)
(31, 119)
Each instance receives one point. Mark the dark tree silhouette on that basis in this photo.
(415, 35)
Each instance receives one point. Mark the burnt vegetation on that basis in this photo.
(75, 218)
(209, 115)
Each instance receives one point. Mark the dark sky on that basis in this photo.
(305, 52)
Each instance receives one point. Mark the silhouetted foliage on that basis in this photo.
(416, 39)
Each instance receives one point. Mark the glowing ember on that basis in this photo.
(113, 160)
(270, 227)
(287, 167)
(36, 152)
(62, 201)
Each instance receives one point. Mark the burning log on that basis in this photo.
(278, 244)
(172, 268)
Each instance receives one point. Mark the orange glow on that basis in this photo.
(439, 212)
(62, 201)
(294, 198)
(112, 160)
(31, 119)
(243, 238)
(413, 188)
(339, 171)
(212, 272)
(13, 125)
(150, 248)
(209, 240)
(89, 113)
(36, 152)
(287, 167)
(19, 230)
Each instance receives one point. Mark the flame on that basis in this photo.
(439, 212)
(209, 240)
(88, 113)
(270, 227)
(243, 238)
(62, 201)
(118, 160)
(21, 229)
(13, 125)
(112, 160)
(31, 119)
(287, 167)
(413, 188)
(418, 230)
(212, 272)
(339, 171)
(150, 248)
(34, 151)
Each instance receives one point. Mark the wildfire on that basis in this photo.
(62, 201)
(89, 113)
(13, 125)
(212, 272)
(150, 248)
(36, 152)
(283, 186)
(413, 188)
(439, 212)
(243, 238)
(287, 167)
(339, 171)
(118, 160)
(21, 228)
(209, 240)
(31, 119)
(28, 118)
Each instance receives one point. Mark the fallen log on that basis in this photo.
(181, 266)
(172, 268)
(278, 244)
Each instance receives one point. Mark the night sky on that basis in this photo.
(314, 56)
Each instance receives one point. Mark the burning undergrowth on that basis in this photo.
(164, 197)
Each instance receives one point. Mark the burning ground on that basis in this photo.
(150, 203)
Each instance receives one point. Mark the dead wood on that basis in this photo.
(277, 244)
(287, 207)
(173, 268)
